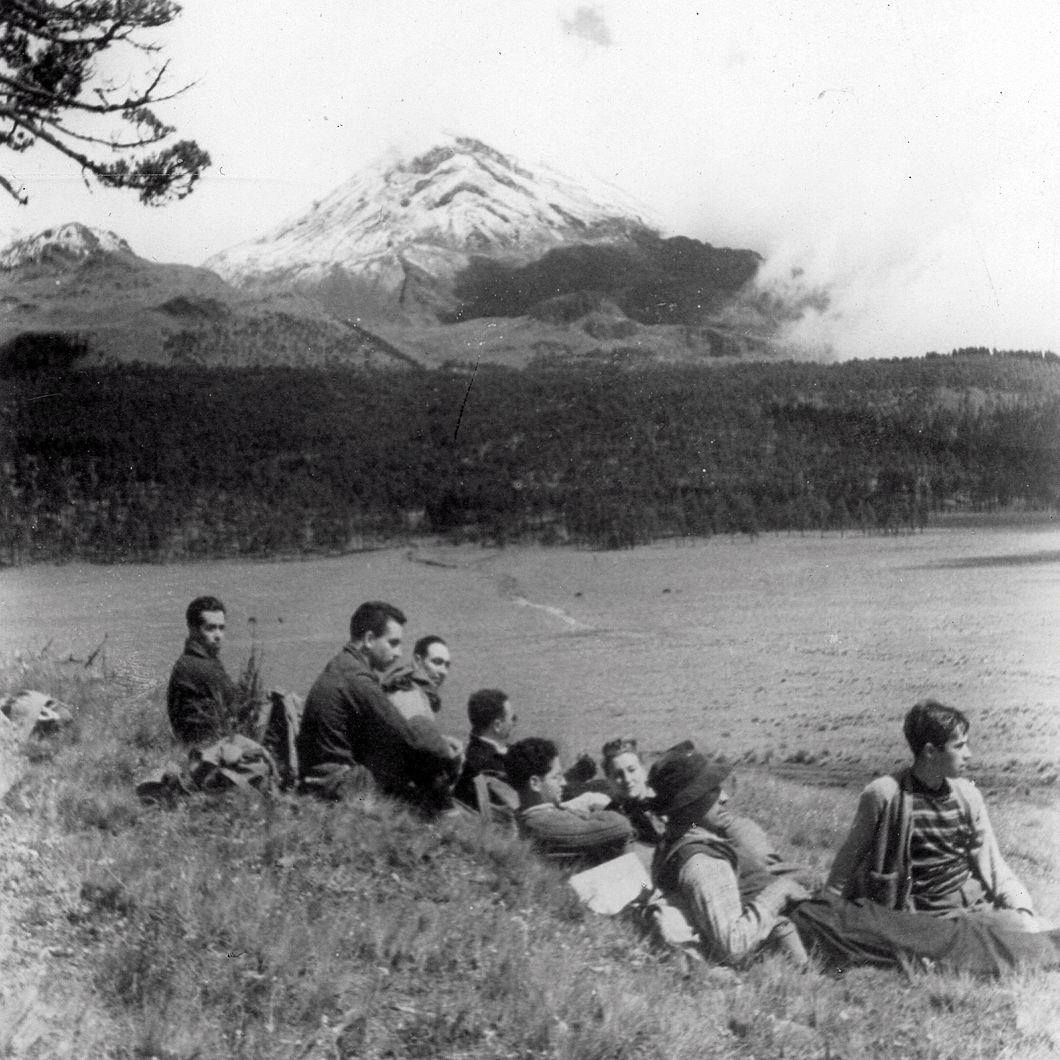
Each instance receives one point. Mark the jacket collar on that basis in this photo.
(362, 661)
(198, 649)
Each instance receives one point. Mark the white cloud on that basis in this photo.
(589, 24)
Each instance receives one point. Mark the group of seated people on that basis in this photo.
(921, 844)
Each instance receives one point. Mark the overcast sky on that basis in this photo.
(905, 155)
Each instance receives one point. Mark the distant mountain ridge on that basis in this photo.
(69, 244)
(88, 288)
(459, 254)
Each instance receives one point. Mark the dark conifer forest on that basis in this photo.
(156, 464)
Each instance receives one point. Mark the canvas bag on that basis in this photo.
(277, 730)
(234, 762)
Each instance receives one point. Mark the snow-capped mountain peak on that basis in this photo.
(429, 214)
(69, 243)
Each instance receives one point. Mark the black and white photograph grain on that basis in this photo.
(529, 530)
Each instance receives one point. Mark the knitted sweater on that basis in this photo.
(874, 860)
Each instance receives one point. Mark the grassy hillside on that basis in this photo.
(262, 927)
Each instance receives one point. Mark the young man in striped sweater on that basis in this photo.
(921, 840)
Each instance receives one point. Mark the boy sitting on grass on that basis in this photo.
(579, 830)
(921, 840)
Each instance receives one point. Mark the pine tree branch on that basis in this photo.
(20, 198)
(55, 101)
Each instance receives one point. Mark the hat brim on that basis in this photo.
(708, 779)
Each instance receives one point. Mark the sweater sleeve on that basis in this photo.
(849, 860)
(563, 831)
(419, 734)
(1007, 891)
(711, 896)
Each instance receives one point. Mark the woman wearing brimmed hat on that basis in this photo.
(726, 891)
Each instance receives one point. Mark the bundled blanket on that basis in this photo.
(234, 762)
(861, 932)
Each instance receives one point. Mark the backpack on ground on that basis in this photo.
(277, 729)
(234, 762)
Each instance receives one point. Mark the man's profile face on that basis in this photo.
(504, 726)
(385, 650)
(210, 632)
(954, 756)
(435, 664)
(550, 786)
(719, 817)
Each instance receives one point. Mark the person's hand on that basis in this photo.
(793, 891)
(588, 800)
(783, 893)
(457, 749)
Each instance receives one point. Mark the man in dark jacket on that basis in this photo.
(201, 698)
(349, 722)
(492, 722)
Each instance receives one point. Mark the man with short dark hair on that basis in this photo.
(201, 698)
(432, 660)
(578, 830)
(350, 722)
(492, 722)
(416, 689)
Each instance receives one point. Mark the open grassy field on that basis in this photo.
(227, 927)
(802, 653)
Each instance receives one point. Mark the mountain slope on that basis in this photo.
(89, 284)
(389, 242)
(464, 253)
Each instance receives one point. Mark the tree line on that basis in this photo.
(152, 464)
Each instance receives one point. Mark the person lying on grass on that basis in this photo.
(580, 831)
(921, 840)
(725, 888)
